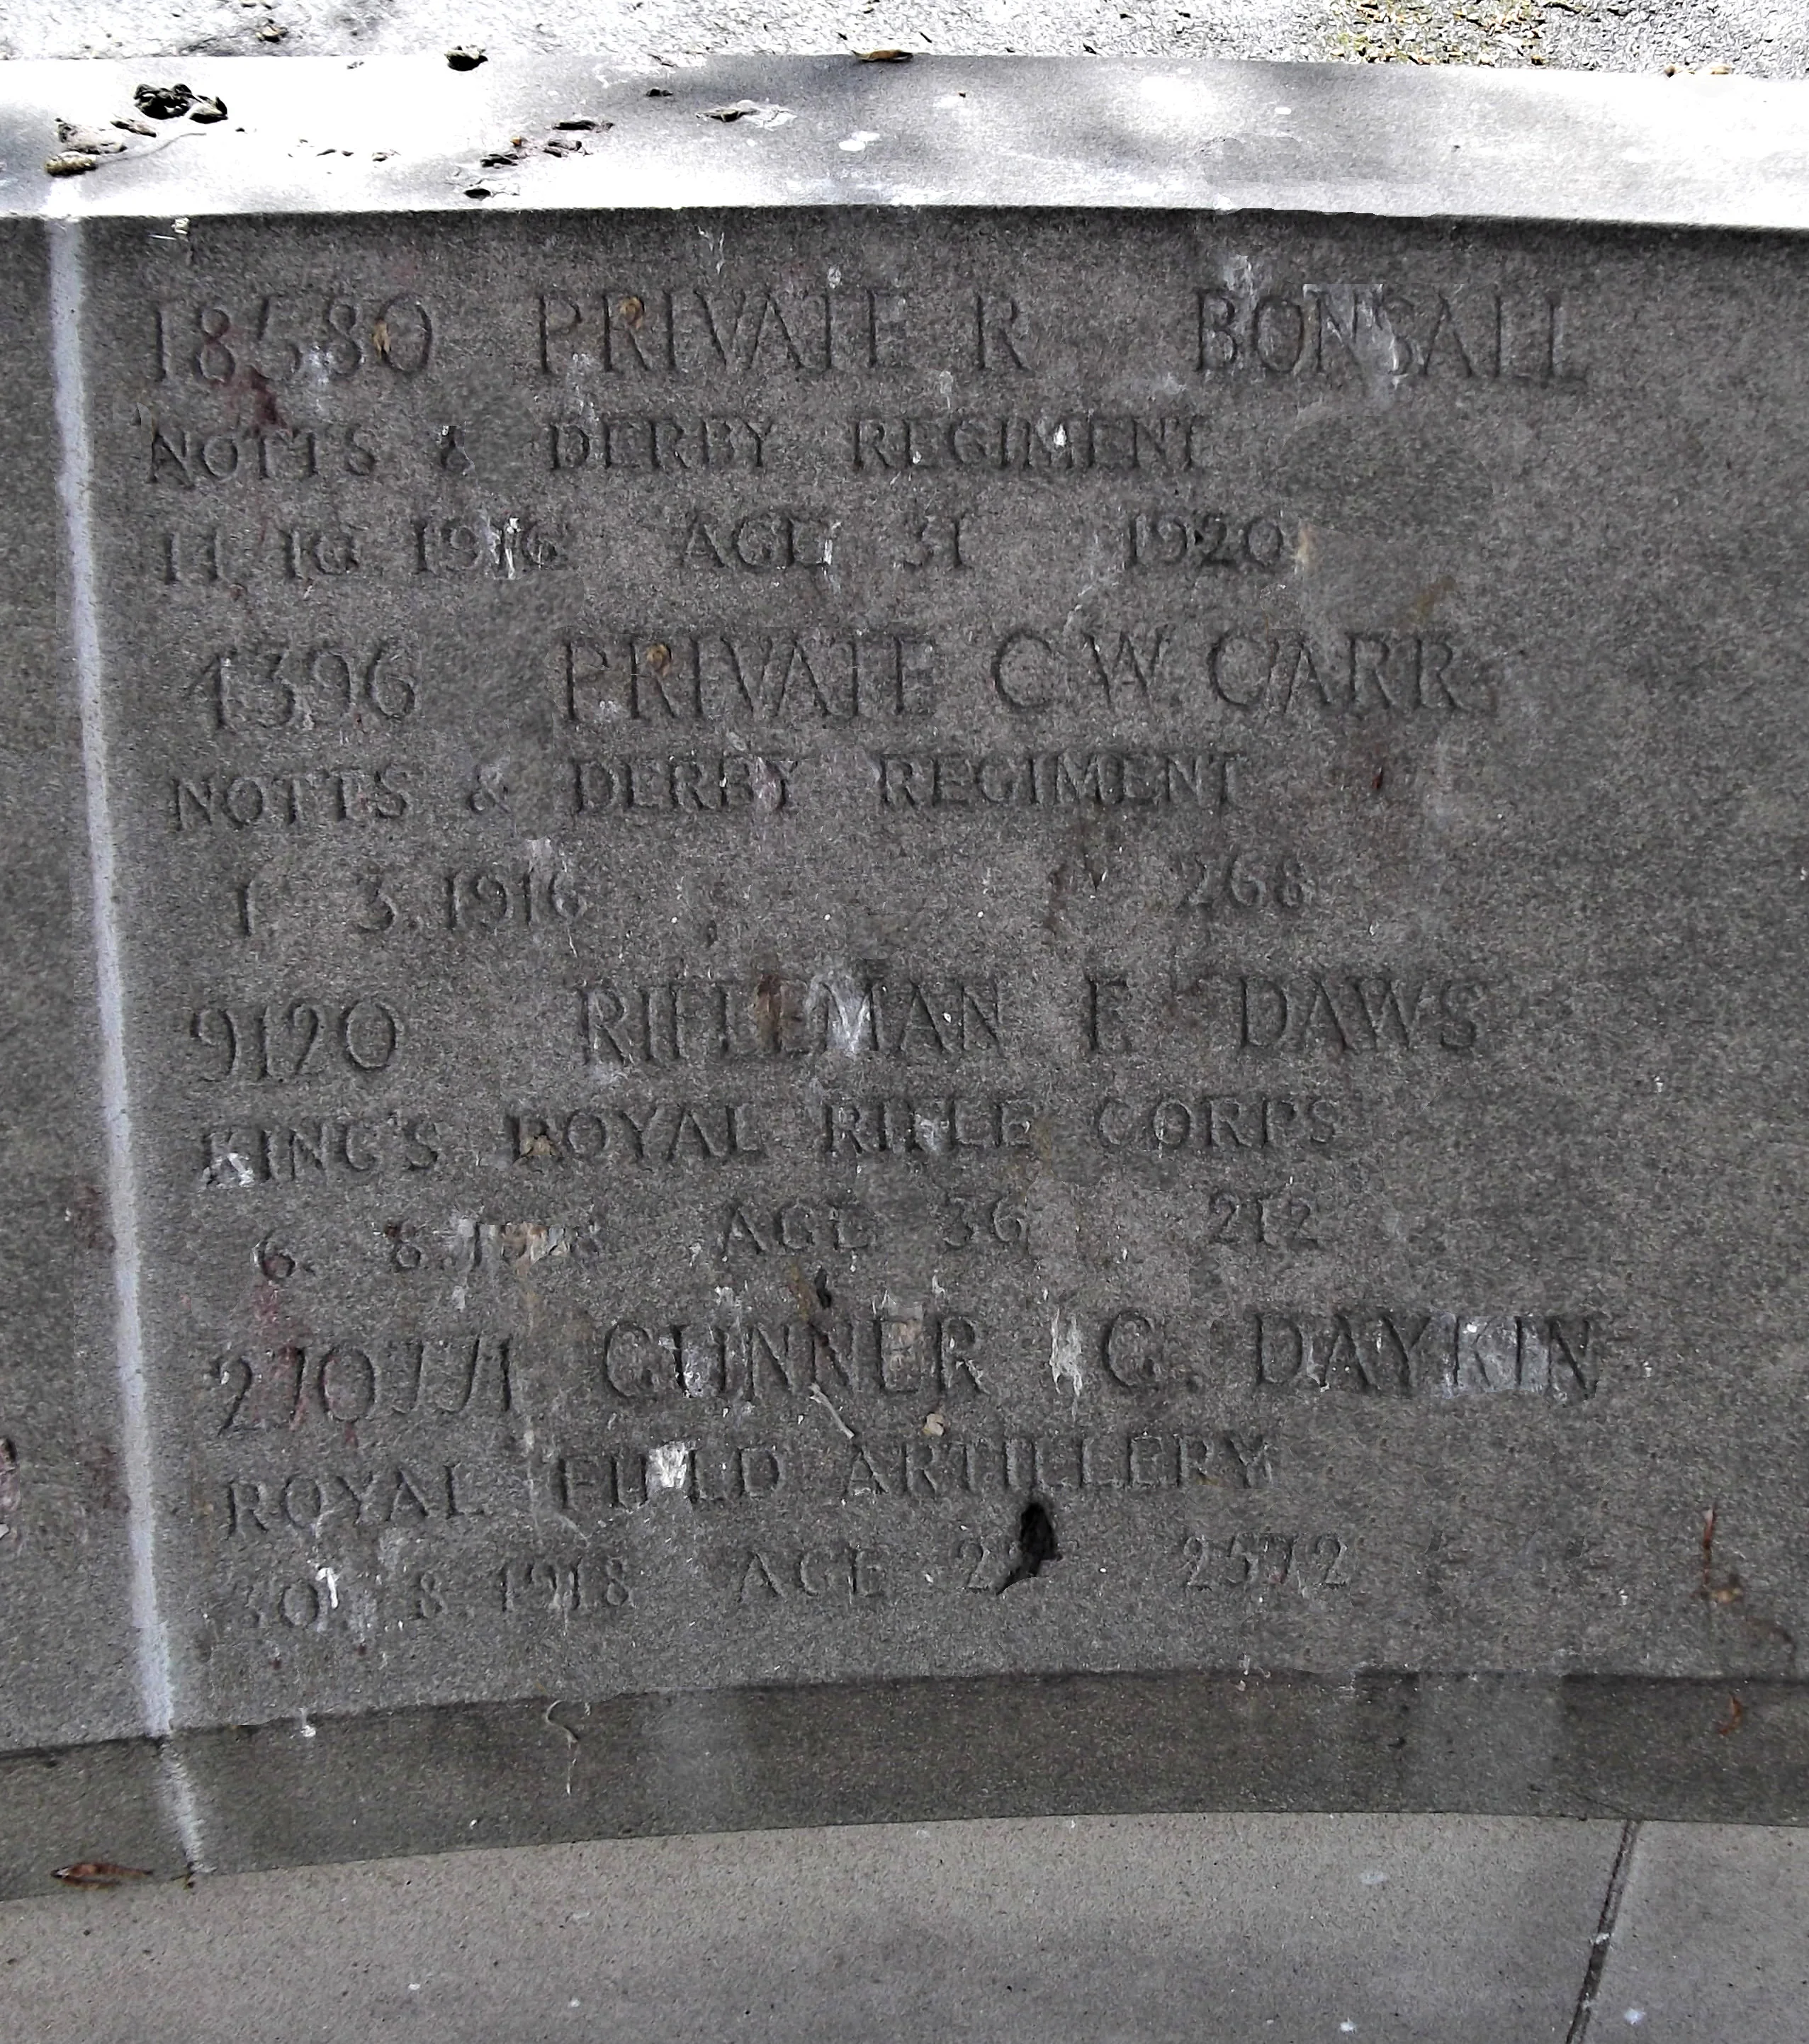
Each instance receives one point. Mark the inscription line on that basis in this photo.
(136, 1454)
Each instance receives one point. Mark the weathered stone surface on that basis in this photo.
(843, 952)
(99, 1805)
(1405, 1928)
(71, 1668)
(898, 966)
(383, 135)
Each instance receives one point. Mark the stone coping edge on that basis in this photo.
(539, 1771)
(408, 135)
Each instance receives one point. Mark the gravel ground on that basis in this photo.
(1757, 38)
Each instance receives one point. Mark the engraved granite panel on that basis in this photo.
(971, 943)
(894, 972)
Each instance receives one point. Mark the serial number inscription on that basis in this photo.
(1257, 1562)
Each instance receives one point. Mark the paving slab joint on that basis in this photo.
(1604, 1939)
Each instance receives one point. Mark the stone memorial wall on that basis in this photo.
(998, 1008)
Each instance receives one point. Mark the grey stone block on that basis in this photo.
(912, 1008)
(102, 1805)
(65, 1565)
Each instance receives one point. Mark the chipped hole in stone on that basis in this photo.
(1035, 1544)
